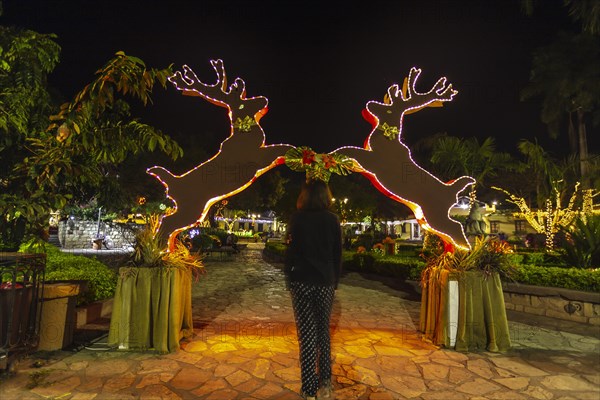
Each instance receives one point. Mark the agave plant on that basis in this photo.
(438, 260)
(150, 251)
(582, 245)
(488, 255)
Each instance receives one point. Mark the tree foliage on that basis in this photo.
(453, 157)
(26, 59)
(542, 170)
(584, 12)
(565, 75)
(52, 155)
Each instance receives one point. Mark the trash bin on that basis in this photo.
(21, 280)
(58, 318)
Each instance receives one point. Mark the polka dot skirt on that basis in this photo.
(312, 310)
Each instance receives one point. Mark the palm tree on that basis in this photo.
(454, 157)
(586, 12)
(541, 166)
(566, 74)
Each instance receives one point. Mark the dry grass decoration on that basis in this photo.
(488, 255)
(149, 252)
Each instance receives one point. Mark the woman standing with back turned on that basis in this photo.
(313, 267)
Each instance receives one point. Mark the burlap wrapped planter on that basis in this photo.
(481, 322)
(152, 309)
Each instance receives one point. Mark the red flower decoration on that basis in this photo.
(308, 157)
(329, 161)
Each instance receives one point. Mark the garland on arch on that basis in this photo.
(318, 166)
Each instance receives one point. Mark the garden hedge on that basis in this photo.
(101, 280)
(409, 268)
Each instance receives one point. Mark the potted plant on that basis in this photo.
(390, 246)
(378, 249)
(462, 304)
(152, 308)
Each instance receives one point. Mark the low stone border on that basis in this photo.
(550, 302)
(565, 304)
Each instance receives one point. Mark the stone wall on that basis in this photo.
(570, 305)
(557, 303)
(76, 234)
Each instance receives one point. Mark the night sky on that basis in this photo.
(318, 64)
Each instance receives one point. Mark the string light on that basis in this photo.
(552, 218)
(588, 207)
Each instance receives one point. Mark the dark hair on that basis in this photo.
(314, 195)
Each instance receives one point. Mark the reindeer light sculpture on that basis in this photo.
(388, 164)
(242, 158)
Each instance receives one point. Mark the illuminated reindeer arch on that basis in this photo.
(243, 157)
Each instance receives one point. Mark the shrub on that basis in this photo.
(567, 278)
(406, 268)
(363, 261)
(409, 250)
(534, 258)
(555, 259)
(277, 248)
(217, 233)
(203, 241)
(517, 258)
(208, 238)
(102, 281)
(365, 240)
(410, 268)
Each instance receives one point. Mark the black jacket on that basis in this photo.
(315, 248)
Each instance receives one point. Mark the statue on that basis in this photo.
(476, 221)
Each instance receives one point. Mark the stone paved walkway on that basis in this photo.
(245, 348)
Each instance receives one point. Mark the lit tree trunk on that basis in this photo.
(573, 142)
(583, 150)
(549, 225)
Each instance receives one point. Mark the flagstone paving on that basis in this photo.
(245, 348)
